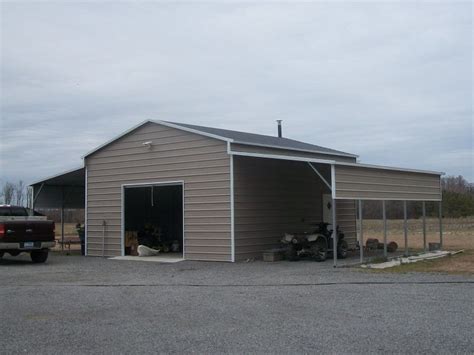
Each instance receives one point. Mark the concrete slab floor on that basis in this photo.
(162, 258)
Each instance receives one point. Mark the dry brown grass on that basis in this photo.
(69, 230)
(457, 234)
(457, 264)
(69, 233)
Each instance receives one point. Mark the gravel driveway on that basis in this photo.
(74, 304)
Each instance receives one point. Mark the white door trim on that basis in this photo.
(145, 184)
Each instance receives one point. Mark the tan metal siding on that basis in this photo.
(202, 163)
(346, 220)
(272, 197)
(372, 183)
(291, 153)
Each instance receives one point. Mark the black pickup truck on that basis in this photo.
(21, 231)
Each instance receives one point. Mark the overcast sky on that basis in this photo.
(392, 82)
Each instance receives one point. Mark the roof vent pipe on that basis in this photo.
(279, 128)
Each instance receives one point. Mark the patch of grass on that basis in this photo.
(462, 263)
(378, 260)
(458, 233)
(69, 229)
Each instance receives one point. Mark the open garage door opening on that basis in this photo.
(153, 217)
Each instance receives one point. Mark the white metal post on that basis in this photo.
(361, 236)
(440, 225)
(405, 226)
(334, 232)
(232, 213)
(384, 212)
(104, 223)
(424, 225)
(62, 218)
(334, 221)
(85, 214)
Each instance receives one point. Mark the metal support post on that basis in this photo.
(62, 228)
(361, 236)
(424, 225)
(62, 219)
(405, 226)
(440, 225)
(35, 196)
(384, 212)
(334, 232)
(104, 224)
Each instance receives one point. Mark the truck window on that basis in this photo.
(5, 211)
(19, 211)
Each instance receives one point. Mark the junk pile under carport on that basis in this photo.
(317, 245)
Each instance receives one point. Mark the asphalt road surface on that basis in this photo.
(74, 304)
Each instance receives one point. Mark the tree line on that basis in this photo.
(458, 200)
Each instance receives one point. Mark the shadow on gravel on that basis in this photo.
(22, 260)
(4, 261)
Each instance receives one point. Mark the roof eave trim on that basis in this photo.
(191, 130)
(281, 157)
(55, 176)
(297, 149)
(383, 167)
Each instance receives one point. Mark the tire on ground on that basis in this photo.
(319, 250)
(392, 247)
(291, 254)
(39, 256)
(342, 248)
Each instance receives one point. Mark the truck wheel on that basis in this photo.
(39, 256)
(342, 249)
(319, 250)
(292, 254)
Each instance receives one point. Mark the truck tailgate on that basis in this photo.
(31, 231)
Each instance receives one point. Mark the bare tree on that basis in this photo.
(456, 184)
(29, 197)
(20, 193)
(8, 192)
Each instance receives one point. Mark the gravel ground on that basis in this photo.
(74, 304)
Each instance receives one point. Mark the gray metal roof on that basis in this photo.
(74, 177)
(263, 140)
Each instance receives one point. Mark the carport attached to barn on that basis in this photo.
(347, 183)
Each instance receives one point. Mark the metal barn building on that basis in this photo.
(224, 195)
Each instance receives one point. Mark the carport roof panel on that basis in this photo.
(74, 177)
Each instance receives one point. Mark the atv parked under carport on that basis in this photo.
(315, 245)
